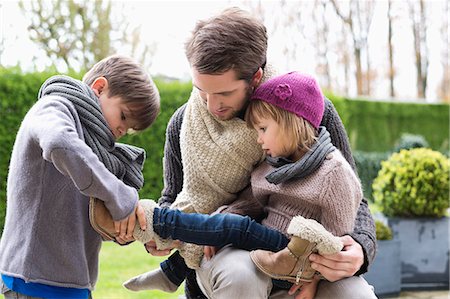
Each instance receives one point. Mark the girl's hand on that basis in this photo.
(307, 290)
(209, 251)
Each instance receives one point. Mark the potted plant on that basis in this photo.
(412, 190)
(385, 272)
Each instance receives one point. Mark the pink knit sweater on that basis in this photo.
(331, 195)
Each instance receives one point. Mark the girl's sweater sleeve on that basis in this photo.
(340, 197)
(53, 127)
(364, 231)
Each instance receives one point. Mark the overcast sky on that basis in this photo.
(168, 23)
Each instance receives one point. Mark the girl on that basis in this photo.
(303, 176)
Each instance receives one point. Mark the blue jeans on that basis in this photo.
(217, 230)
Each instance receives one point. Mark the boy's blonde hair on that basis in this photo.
(129, 81)
(233, 39)
(298, 134)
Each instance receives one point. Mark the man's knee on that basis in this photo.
(354, 287)
(232, 274)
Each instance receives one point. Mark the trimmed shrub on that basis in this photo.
(383, 232)
(408, 141)
(413, 183)
(368, 166)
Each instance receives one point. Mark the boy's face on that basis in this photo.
(114, 110)
(115, 113)
(225, 96)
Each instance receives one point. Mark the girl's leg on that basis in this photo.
(217, 230)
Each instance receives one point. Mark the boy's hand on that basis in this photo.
(125, 227)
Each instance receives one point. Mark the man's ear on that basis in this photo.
(256, 79)
(100, 84)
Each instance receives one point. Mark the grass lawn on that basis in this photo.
(119, 263)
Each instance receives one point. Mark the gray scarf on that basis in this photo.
(310, 162)
(124, 161)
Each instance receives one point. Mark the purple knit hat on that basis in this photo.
(295, 92)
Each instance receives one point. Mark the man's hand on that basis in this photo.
(125, 227)
(151, 248)
(342, 264)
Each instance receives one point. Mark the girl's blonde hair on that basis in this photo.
(298, 134)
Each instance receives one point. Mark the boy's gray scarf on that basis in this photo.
(309, 163)
(124, 161)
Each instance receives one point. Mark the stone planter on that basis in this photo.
(385, 272)
(424, 251)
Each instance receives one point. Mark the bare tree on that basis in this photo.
(71, 32)
(358, 18)
(321, 42)
(444, 86)
(419, 27)
(391, 73)
(142, 52)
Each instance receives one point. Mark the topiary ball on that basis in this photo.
(413, 183)
(409, 141)
(383, 231)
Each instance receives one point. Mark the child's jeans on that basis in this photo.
(216, 230)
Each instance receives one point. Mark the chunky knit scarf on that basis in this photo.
(309, 163)
(218, 158)
(124, 161)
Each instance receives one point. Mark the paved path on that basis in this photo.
(423, 295)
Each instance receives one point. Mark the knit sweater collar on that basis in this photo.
(310, 162)
(124, 161)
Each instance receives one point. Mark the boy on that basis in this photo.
(65, 152)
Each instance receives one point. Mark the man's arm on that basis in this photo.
(173, 168)
(364, 231)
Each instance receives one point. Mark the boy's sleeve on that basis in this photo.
(173, 167)
(364, 231)
(53, 127)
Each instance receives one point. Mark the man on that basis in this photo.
(227, 55)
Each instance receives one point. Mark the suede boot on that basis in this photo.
(292, 263)
(103, 223)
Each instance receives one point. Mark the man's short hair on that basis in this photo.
(233, 39)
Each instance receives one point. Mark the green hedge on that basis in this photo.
(375, 126)
(372, 126)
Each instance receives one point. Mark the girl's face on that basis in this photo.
(271, 137)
